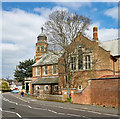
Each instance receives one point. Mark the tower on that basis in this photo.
(41, 45)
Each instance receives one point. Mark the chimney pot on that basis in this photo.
(95, 34)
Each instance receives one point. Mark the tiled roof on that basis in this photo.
(46, 80)
(112, 45)
(48, 58)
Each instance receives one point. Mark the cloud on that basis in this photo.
(45, 12)
(95, 9)
(108, 34)
(74, 5)
(89, 33)
(104, 34)
(20, 30)
(112, 12)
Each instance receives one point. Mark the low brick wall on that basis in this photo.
(104, 91)
(50, 97)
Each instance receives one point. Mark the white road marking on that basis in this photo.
(74, 115)
(13, 113)
(52, 111)
(18, 115)
(0, 109)
(29, 106)
(63, 108)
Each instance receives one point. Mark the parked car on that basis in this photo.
(15, 90)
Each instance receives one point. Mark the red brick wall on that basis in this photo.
(81, 97)
(105, 92)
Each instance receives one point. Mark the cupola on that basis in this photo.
(41, 45)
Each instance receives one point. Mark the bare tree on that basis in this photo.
(62, 29)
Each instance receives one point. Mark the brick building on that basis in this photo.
(89, 59)
(45, 74)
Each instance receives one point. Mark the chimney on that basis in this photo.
(95, 34)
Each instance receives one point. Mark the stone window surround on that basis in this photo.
(88, 53)
(53, 69)
(46, 87)
(37, 70)
(37, 86)
(80, 87)
(56, 86)
(45, 70)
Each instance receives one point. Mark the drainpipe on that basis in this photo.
(114, 60)
(113, 67)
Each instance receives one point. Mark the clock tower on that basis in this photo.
(41, 45)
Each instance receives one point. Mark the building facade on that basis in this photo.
(89, 59)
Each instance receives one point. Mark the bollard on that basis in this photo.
(27, 94)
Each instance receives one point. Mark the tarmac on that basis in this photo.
(68, 105)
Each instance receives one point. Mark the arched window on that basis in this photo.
(42, 48)
(38, 48)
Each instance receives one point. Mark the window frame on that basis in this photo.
(87, 62)
(80, 59)
(45, 70)
(119, 65)
(53, 69)
(79, 86)
(73, 63)
(42, 48)
(55, 88)
(37, 71)
(47, 88)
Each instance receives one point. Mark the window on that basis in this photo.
(80, 87)
(46, 87)
(37, 71)
(73, 63)
(80, 59)
(46, 48)
(37, 88)
(54, 69)
(87, 62)
(119, 65)
(38, 48)
(56, 87)
(42, 48)
(46, 70)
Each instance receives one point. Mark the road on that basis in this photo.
(14, 106)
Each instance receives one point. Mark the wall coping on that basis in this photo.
(106, 78)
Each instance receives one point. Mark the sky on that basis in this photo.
(22, 21)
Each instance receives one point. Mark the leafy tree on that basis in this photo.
(24, 69)
(62, 29)
(4, 85)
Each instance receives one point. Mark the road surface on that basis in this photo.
(14, 106)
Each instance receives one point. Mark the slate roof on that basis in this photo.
(47, 59)
(112, 45)
(46, 80)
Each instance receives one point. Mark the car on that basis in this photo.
(15, 91)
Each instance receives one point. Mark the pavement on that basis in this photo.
(89, 108)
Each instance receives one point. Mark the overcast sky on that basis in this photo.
(22, 21)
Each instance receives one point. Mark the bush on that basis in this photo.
(68, 99)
